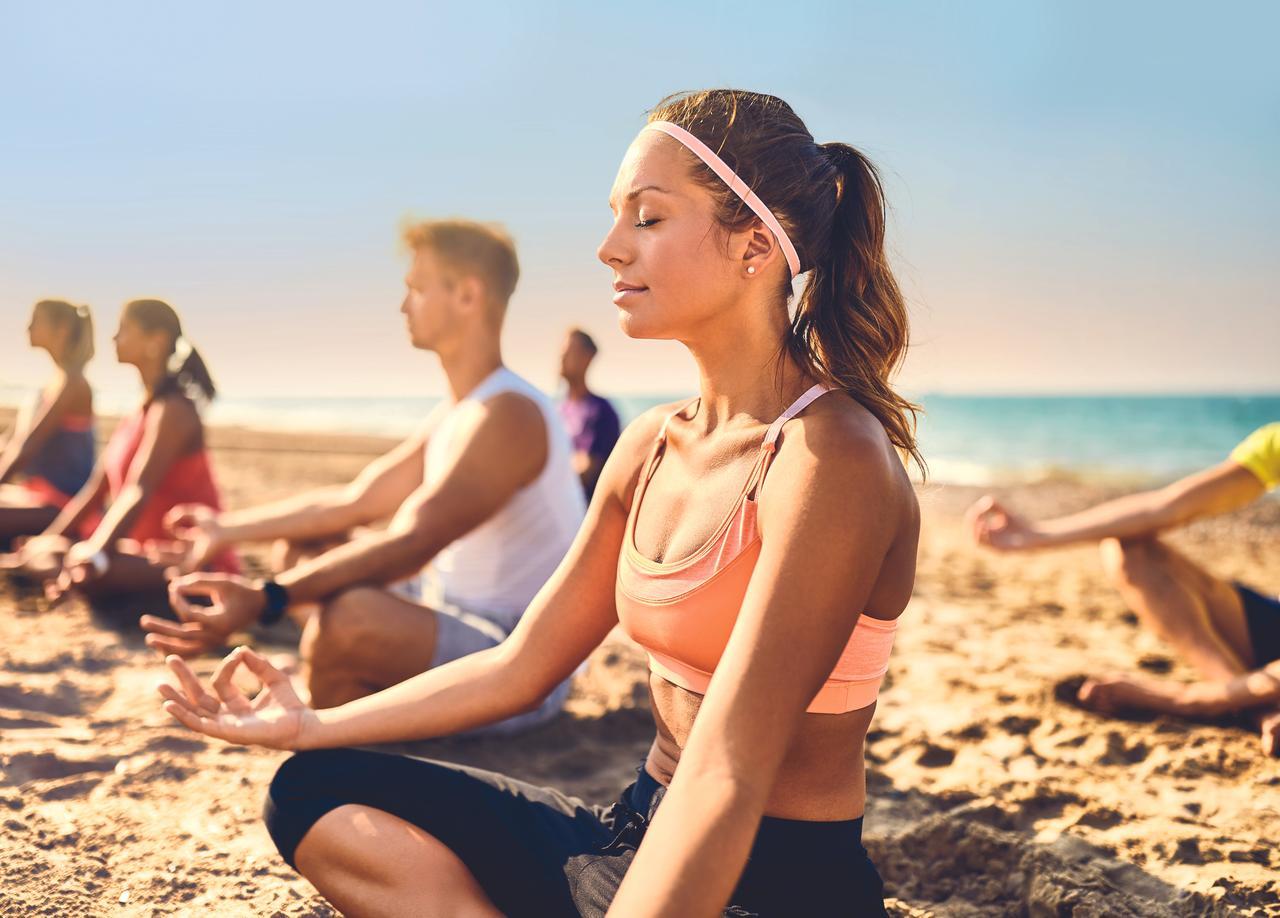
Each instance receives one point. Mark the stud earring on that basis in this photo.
(751, 269)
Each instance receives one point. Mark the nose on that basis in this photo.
(612, 251)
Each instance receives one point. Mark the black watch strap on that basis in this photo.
(277, 602)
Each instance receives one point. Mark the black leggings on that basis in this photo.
(540, 853)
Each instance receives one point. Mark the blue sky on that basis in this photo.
(1085, 197)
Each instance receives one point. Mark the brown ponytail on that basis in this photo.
(187, 371)
(849, 328)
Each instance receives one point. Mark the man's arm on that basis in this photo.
(500, 451)
(1225, 487)
(568, 618)
(375, 494)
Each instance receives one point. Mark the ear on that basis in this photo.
(472, 295)
(761, 248)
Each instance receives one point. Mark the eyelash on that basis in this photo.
(644, 224)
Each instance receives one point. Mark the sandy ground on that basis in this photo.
(990, 794)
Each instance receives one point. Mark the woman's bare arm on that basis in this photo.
(836, 501)
(568, 618)
(24, 447)
(172, 429)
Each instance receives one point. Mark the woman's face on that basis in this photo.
(42, 330)
(134, 344)
(675, 268)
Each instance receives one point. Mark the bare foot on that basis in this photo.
(1104, 694)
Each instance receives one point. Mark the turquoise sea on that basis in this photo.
(966, 439)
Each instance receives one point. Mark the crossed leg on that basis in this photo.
(1199, 615)
(370, 863)
(362, 641)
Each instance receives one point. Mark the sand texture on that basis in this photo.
(990, 792)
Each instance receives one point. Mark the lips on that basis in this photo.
(621, 287)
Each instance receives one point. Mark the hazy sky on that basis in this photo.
(1086, 196)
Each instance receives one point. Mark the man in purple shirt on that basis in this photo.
(591, 421)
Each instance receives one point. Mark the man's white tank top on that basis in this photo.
(496, 569)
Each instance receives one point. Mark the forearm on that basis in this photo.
(380, 558)
(119, 518)
(11, 461)
(1132, 516)
(313, 516)
(18, 453)
(694, 852)
(472, 691)
(69, 519)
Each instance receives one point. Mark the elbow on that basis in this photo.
(526, 683)
(731, 783)
(417, 542)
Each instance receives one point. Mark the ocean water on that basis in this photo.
(986, 440)
(965, 439)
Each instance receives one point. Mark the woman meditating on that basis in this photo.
(49, 455)
(759, 542)
(110, 538)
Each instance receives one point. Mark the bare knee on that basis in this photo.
(1128, 561)
(335, 646)
(361, 854)
(344, 626)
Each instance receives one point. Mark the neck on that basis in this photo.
(152, 375)
(467, 365)
(57, 361)
(578, 388)
(745, 373)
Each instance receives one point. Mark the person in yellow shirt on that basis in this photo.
(1228, 632)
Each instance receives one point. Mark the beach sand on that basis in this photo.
(989, 793)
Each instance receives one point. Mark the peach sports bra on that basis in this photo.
(682, 612)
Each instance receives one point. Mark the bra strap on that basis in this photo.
(771, 438)
(662, 431)
(659, 443)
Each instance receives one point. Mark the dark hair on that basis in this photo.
(187, 371)
(585, 340)
(80, 320)
(849, 327)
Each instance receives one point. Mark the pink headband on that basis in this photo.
(736, 185)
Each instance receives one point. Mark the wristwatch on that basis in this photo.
(277, 601)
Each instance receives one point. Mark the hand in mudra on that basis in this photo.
(275, 717)
(993, 525)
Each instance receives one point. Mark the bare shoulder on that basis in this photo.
(622, 470)
(174, 420)
(837, 446)
(174, 410)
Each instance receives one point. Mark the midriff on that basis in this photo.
(823, 775)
